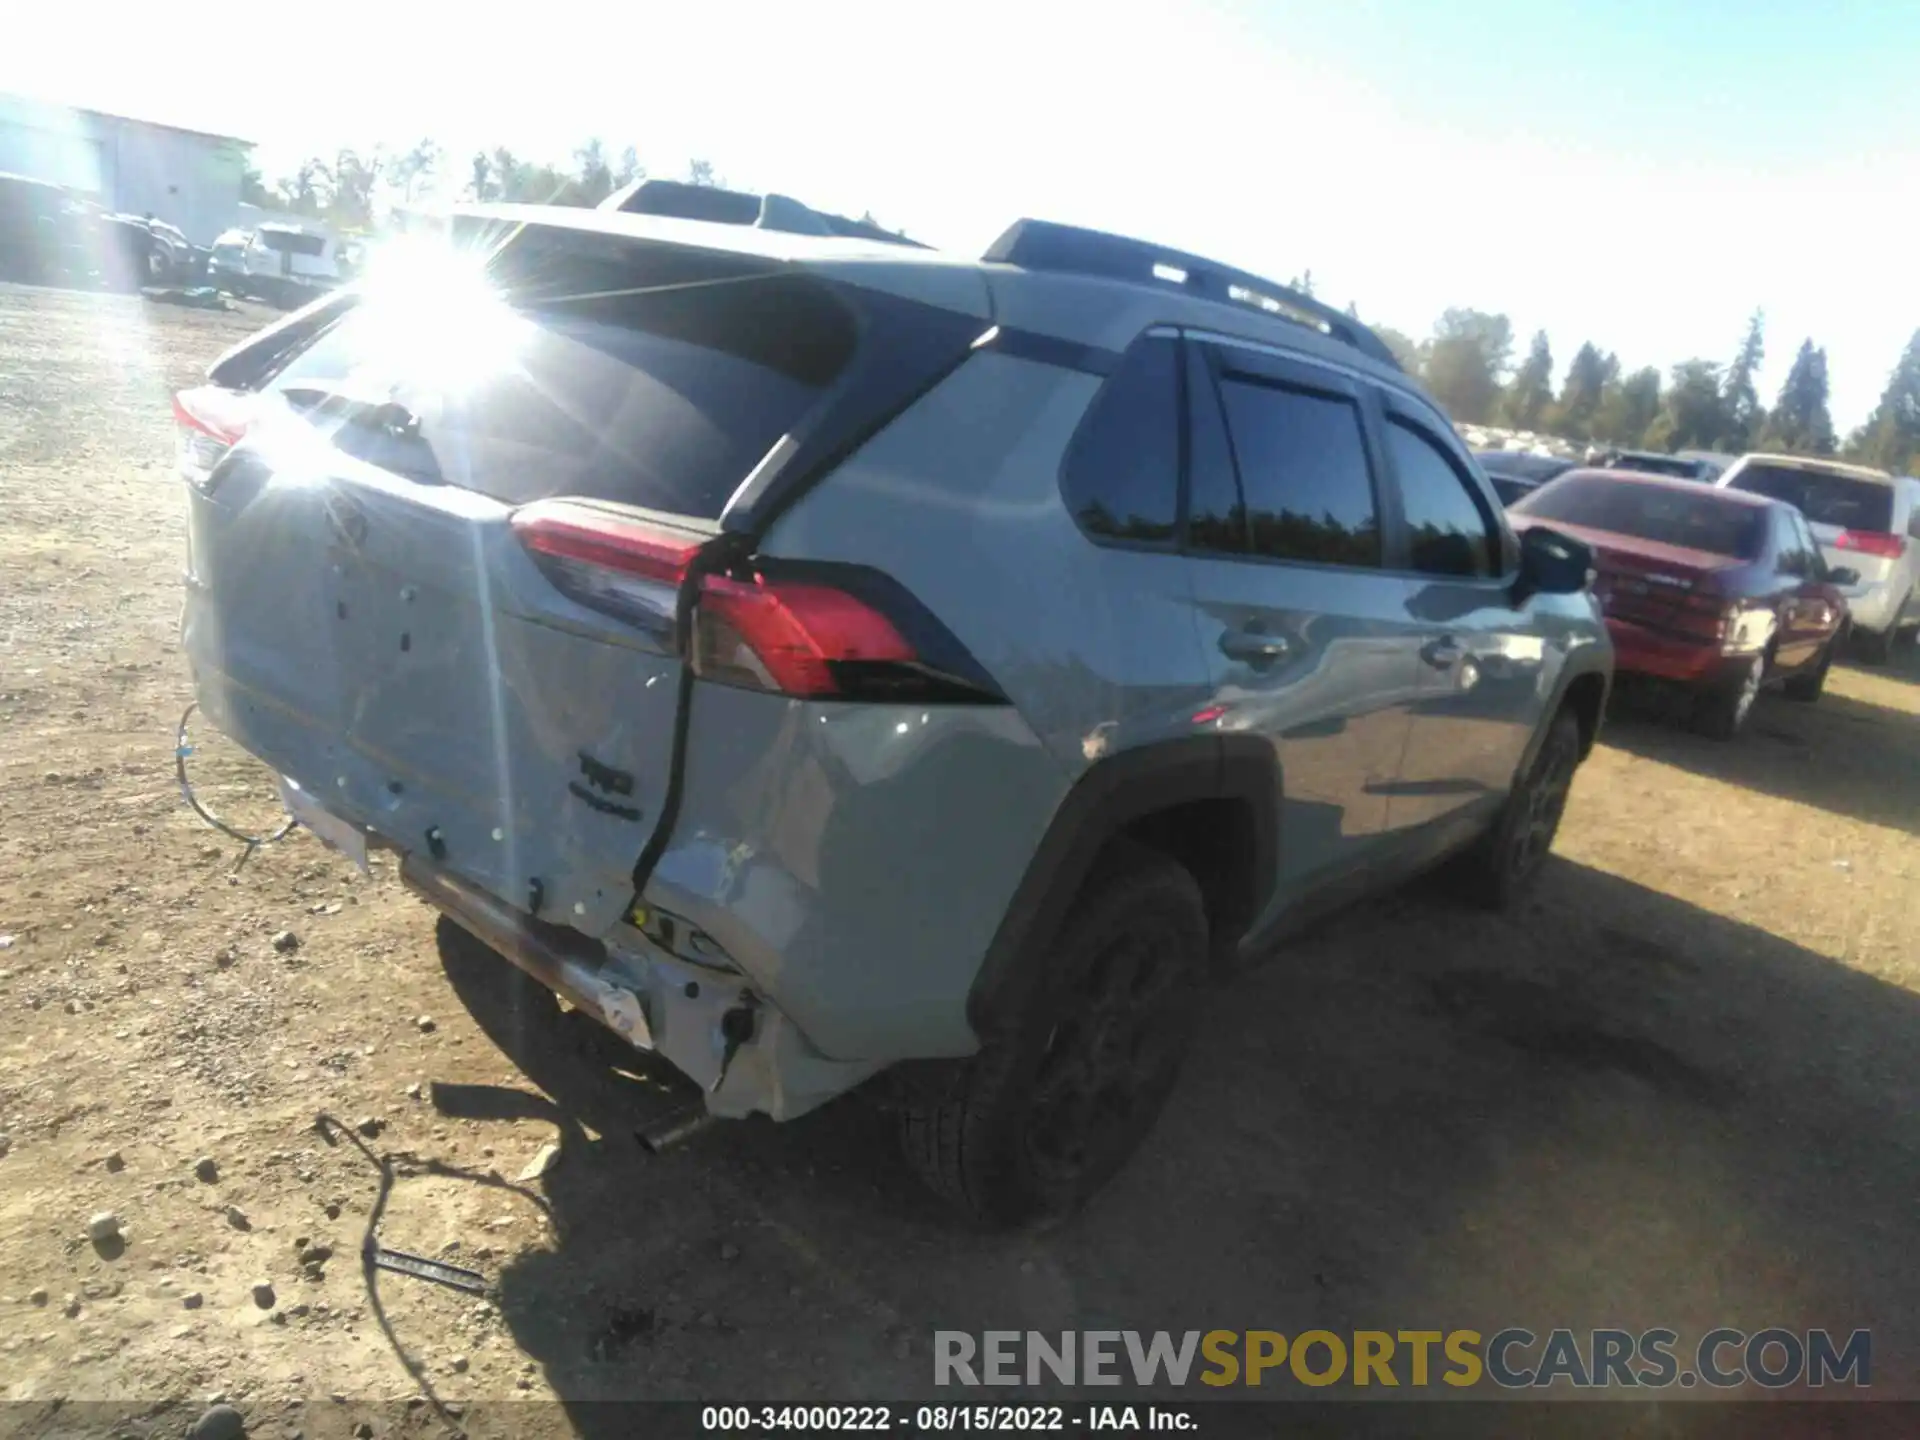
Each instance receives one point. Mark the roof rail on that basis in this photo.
(1071, 250)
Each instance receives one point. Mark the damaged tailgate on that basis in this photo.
(433, 577)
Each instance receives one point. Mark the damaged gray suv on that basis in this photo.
(816, 657)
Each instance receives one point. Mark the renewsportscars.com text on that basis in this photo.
(1513, 1358)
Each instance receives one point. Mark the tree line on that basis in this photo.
(1467, 363)
(351, 189)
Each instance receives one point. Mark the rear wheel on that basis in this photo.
(1074, 1077)
(1808, 685)
(1508, 858)
(1722, 712)
(1874, 646)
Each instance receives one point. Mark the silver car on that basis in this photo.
(817, 657)
(1866, 521)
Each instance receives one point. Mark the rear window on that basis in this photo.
(590, 366)
(293, 242)
(1520, 465)
(1824, 498)
(1658, 465)
(1696, 519)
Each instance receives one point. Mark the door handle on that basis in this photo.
(1444, 653)
(1254, 647)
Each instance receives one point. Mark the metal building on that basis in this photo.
(188, 178)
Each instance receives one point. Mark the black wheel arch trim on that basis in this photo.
(1580, 664)
(1109, 796)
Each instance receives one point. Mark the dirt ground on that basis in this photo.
(1682, 1088)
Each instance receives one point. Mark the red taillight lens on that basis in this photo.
(1873, 542)
(607, 560)
(810, 630)
(1704, 614)
(791, 636)
(211, 420)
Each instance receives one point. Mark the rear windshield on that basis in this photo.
(1658, 465)
(1522, 466)
(1696, 519)
(1824, 498)
(593, 366)
(293, 242)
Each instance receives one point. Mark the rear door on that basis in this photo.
(399, 591)
(1480, 658)
(1308, 635)
(1810, 611)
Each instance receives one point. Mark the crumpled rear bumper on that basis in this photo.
(693, 1016)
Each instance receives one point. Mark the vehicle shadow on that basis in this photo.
(1610, 1109)
(1903, 664)
(1844, 755)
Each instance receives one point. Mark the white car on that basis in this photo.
(289, 265)
(1865, 520)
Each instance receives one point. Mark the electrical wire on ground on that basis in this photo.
(181, 750)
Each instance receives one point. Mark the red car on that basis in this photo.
(1721, 591)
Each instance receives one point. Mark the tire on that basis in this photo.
(1874, 646)
(1499, 869)
(1722, 712)
(1075, 1074)
(1807, 686)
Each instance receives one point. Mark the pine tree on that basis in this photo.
(1740, 401)
(1891, 437)
(1695, 409)
(1464, 361)
(1800, 423)
(1525, 404)
(1629, 408)
(1572, 417)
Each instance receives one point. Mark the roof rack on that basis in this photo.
(1072, 250)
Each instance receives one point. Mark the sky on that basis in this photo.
(1643, 174)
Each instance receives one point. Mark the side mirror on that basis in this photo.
(1843, 576)
(1551, 564)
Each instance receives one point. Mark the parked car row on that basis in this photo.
(1755, 581)
(285, 265)
(51, 236)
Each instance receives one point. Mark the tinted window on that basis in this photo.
(1793, 551)
(1826, 499)
(1447, 532)
(649, 393)
(1216, 510)
(1658, 465)
(1816, 562)
(1122, 476)
(293, 242)
(1702, 519)
(1302, 463)
(1520, 465)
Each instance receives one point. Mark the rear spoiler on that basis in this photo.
(246, 365)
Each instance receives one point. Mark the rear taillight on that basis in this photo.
(1705, 615)
(212, 420)
(1873, 542)
(812, 631)
(1738, 627)
(808, 640)
(612, 562)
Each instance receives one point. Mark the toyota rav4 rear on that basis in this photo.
(796, 651)
(455, 570)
